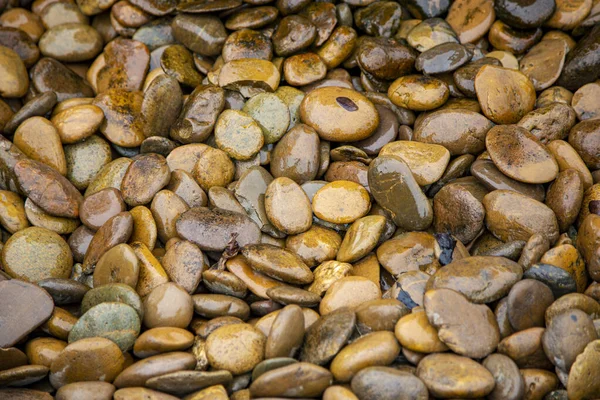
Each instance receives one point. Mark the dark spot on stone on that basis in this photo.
(574, 317)
(594, 207)
(405, 298)
(447, 244)
(346, 103)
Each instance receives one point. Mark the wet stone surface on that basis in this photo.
(226, 199)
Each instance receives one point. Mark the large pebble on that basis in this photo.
(295, 380)
(508, 105)
(394, 188)
(13, 294)
(527, 161)
(482, 279)
(33, 254)
(278, 263)
(139, 372)
(468, 329)
(513, 216)
(452, 376)
(339, 114)
(279, 195)
(236, 348)
(212, 229)
(581, 384)
(374, 349)
(90, 359)
(427, 162)
(351, 292)
(115, 321)
(71, 42)
(14, 82)
(341, 202)
(48, 189)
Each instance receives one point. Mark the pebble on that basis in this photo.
(126, 64)
(14, 293)
(339, 114)
(461, 376)
(249, 76)
(162, 340)
(563, 352)
(144, 178)
(327, 336)
(115, 231)
(568, 258)
(139, 372)
(374, 349)
(115, 321)
(236, 348)
(471, 19)
(77, 123)
(297, 379)
(277, 263)
(100, 207)
(64, 291)
(527, 304)
(98, 390)
(296, 155)
(418, 92)
(123, 123)
(511, 41)
(482, 279)
(117, 265)
(464, 130)
(578, 69)
(237, 134)
(489, 176)
(93, 149)
(549, 123)
(112, 293)
(33, 254)
(60, 198)
(361, 238)
(445, 57)
(444, 307)
(430, 33)
(19, 41)
(271, 113)
(387, 383)
(89, 359)
(580, 384)
(168, 305)
(15, 81)
(182, 382)
(184, 263)
(415, 333)
(426, 161)
(84, 42)
(509, 383)
(544, 63)
(528, 161)
(557, 279)
(24, 375)
(405, 201)
(279, 194)
(458, 209)
(12, 212)
(523, 218)
(341, 202)
(510, 104)
(350, 291)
